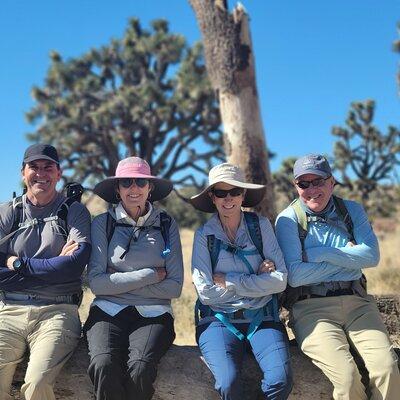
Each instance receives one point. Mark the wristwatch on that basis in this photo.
(17, 265)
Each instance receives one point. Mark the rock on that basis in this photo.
(182, 375)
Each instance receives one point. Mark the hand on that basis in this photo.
(267, 266)
(69, 248)
(111, 270)
(350, 244)
(161, 273)
(10, 261)
(219, 280)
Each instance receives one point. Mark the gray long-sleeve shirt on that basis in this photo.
(136, 281)
(243, 290)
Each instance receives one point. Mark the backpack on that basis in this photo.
(165, 224)
(214, 247)
(73, 192)
(291, 294)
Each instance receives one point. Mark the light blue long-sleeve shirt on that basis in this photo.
(243, 289)
(328, 257)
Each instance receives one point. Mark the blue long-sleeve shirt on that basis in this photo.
(243, 289)
(328, 257)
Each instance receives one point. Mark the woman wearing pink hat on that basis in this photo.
(134, 271)
(238, 268)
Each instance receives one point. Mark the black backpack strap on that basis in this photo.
(110, 227)
(165, 224)
(62, 214)
(341, 209)
(253, 225)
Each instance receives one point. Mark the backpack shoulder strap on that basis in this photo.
(110, 227)
(18, 212)
(302, 225)
(165, 224)
(62, 212)
(253, 225)
(214, 247)
(343, 213)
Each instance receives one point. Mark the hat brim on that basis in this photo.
(254, 194)
(322, 174)
(39, 157)
(107, 189)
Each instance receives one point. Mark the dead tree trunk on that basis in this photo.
(230, 66)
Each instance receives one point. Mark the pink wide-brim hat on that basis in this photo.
(233, 175)
(132, 167)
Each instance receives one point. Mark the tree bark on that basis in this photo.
(230, 66)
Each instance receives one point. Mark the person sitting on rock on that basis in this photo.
(45, 245)
(237, 269)
(134, 271)
(326, 241)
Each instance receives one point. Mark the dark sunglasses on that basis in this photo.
(317, 182)
(127, 182)
(221, 194)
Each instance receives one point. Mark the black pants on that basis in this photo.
(124, 352)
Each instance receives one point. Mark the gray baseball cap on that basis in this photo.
(312, 164)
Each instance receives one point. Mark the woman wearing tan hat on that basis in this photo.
(237, 268)
(134, 271)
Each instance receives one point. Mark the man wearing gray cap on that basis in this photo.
(326, 242)
(44, 247)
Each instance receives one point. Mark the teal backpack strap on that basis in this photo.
(214, 247)
(225, 320)
(253, 226)
(241, 253)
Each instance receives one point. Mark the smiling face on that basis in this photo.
(40, 178)
(315, 198)
(228, 206)
(134, 198)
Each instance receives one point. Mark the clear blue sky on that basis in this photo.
(313, 58)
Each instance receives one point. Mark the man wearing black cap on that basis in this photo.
(326, 242)
(44, 247)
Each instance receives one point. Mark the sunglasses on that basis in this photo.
(221, 194)
(317, 182)
(127, 182)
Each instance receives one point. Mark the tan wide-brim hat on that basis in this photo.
(233, 175)
(132, 167)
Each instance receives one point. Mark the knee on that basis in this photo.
(384, 366)
(346, 380)
(142, 371)
(36, 383)
(228, 384)
(104, 366)
(278, 384)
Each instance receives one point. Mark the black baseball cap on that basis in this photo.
(40, 151)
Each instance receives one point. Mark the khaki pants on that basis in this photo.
(51, 334)
(324, 328)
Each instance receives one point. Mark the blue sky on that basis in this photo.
(313, 58)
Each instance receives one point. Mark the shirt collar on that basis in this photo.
(120, 214)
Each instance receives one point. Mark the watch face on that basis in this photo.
(17, 264)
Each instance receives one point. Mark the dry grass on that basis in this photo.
(385, 279)
(382, 280)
